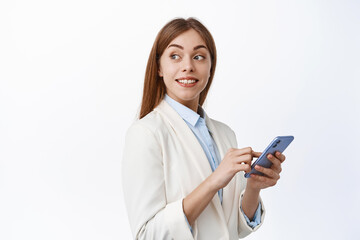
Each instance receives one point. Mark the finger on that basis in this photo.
(256, 154)
(239, 152)
(265, 180)
(246, 158)
(275, 161)
(280, 156)
(243, 167)
(268, 172)
(276, 169)
(259, 178)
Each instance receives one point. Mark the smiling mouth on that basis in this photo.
(187, 81)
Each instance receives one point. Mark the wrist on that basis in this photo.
(252, 191)
(211, 184)
(250, 201)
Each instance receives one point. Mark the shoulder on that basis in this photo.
(150, 124)
(142, 138)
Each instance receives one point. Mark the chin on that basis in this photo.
(188, 96)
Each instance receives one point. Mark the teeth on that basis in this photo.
(187, 81)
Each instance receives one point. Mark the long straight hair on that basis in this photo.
(154, 86)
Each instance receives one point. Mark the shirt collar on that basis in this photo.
(186, 113)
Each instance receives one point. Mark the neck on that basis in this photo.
(193, 104)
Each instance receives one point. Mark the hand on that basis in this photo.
(235, 160)
(272, 174)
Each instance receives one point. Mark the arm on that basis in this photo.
(256, 182)
(197, 200)
(234, 161)
(150, 215)
(250, 201)
(251, 197)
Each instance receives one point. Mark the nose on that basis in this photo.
(188, 65)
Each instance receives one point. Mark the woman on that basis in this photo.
(183, 177)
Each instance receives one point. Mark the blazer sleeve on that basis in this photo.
(150, 215)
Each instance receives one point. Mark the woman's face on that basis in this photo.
(185, 67)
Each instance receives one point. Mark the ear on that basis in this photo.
(160, 72)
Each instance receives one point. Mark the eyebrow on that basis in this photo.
(181, 47)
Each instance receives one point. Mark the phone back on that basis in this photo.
(279, 144)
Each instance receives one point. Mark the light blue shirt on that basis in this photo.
(197, 124)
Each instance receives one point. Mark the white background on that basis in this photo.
(71, 76)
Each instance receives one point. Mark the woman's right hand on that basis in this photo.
(235, 160)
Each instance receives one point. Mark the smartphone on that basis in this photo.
(279, 144)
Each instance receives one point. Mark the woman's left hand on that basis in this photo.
(272, 174)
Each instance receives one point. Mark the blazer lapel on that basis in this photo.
(223, 145)
(187, 137)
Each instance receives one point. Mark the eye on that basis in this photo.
(199, 57)
(174, 56)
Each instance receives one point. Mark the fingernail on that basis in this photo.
(277, 153)
(257, 167)
(270, 156)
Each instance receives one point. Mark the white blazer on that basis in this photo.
(162, 163)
